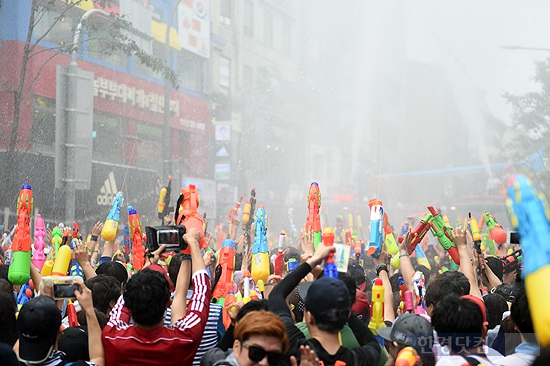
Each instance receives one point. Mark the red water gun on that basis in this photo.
(136, 234)
(187, 213)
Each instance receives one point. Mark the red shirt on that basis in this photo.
(176, 344)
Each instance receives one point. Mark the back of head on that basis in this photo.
(174, 267)
(458, 320)
(350, 284)
(496, 266)
(146, 295)
(74, 342)
(496, 305)
(114, 269)
(444, 285)
(521, 315)
(261, 322)
(252, 305)
(8, 329)
(105, 291)
(329, 303)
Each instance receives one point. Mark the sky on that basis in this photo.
(465, 37)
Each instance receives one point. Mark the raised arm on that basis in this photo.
(95, 346)
(459, 236)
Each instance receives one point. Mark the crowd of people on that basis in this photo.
(472, 313)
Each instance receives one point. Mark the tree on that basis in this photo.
(112, 34)
(531, 132)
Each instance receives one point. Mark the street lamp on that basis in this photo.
(72, 120)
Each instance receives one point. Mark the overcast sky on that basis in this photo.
(465, 37)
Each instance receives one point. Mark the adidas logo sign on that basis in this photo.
(108, 191)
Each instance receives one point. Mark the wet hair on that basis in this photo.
(521, 315)
(114, 269)
(261, 323)
(252, 305)
(350, 285)
(101, 318)
(444, 284)
(495, 305)
(292, 253)
(105, 289)
(457, 321)
(146, 295)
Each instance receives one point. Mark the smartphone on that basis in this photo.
(512, 237)
(63, 287)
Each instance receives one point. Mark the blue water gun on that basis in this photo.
(376, 235)
(75, 269)
(110, 228)
(260, 250)
(530, 215)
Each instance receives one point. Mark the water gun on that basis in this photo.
(402, 289)
(225, 314)
(186, 212)
(75, 269)
(350, 221)
(408, 305)
(530, 215)
(260, 250)
(377, 307)
(407, 357)
(47, 268)
(20, 268)
(376, 235)
(226, 266)
(246, 286)
(249, 208)
(476, 237)
(389, 240)
(446, 220)
(62, 261)
(330, 267)
(233, 212)
(110, 228)
(418, 233)
(38, 257)
(163, 206)
(279, 259)
(313, 221)
(57, 239)
(26, 292)
(512, 261)
(127, 241)
(339, 228)
(421, 257)
(443, 233)
(136, 236)
(71, 314)
(291, 265)
(489, 243)
(76, 231)
(497, 233)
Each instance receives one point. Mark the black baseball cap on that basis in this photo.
(411, 330)
(38, 325)
(328, 300)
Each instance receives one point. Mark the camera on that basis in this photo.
(63, 287)
(171, 236)
(512, 237)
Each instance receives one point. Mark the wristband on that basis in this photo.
(378, 266)
(403, 255)
(93, 238)
(381, 269)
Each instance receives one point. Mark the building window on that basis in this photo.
(286, 37)
(61, 31)
(107, 142)
(97, 46)
(43, 125)
(248, 77)
(225, 75)
(268, 28)
(225, 11)
(191, 71)
(141, 68)
(248, 18)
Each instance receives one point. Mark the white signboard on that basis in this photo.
(194, 26)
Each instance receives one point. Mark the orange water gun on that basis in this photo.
(136, 235)
(20, 269)
(187, 213)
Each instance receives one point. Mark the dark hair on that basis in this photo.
(146, 295)
(496, 266)
(4, 269)
(521, 315)
(350, 284)
(253, 305)
(458, 321)
(238, 261)
(105, 289)
(6, 286)
(114, 269)
(8, 325)
(444, 284)
(508, 338)
(495, 305)
(102, 319)
(394, 282)
(460, 279)
(174, 267)
(292, 253)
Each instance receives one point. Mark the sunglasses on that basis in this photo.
(256, 354)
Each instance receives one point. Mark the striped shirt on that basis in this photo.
(211, 334)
